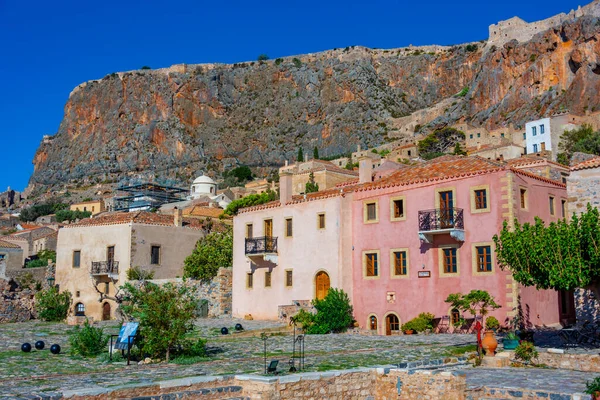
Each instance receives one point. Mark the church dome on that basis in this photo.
(203, 179)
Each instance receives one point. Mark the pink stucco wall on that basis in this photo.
(414, 295)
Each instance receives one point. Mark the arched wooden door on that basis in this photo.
(105, 312)
(322, 285)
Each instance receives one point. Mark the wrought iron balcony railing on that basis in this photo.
(440, 219)
(261, 245)
(105, 267)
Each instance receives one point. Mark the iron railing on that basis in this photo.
(261, 245)
(105, 267)
(441, 218)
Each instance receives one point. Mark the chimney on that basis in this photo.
(285, 187)
(365, 170)
(358, 148)
(177, 217)
(286, 163)
(305, 157)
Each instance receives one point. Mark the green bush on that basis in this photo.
(419, 324)
(139, 274)
(305, 319)
(334, 313)
(248, 201)
(492, 323)
(212, 252)
(593, 387)
(52, 305)
(87, 341)
(297, 62)
(526, 352)
(70, 215)
(262, 57)
(42, 260)
(471, 48)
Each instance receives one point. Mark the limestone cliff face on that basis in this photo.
(173, 122)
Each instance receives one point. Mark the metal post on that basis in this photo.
(264, 337)
(111, 347)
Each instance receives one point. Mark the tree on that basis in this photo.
(262, 57)
(561, 256)
(39, 210)
(42, 260)
(52, 305)
(583, 139)
(300, 157)
(311, 186)
(476, 301)
(71, 215)
(458, 151)
(316, 153)
(212, 252)
(251, 200)
(334, 314)
(440, 142)
(165, 314)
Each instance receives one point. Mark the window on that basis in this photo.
(523, 198)
(535, 148)
(79, 310)
(502, 135)
(288, 227)
(289, 278)
(479, 135)
(563, 208)
(533, 130)
(524, 135)
(249, 280)
(371, 212)
(267, 278)
(543, 146)
(321, 220)
(399, 258)
(106, 287)
(542, 129)
(155, 255)
(84, 208)
(371, 265)
(455, 316)
(76, 259)
(249, 231)
(77, 293)
(398, 208)
(2, 256)
(484, 258)
(373, 323)
(471, 136)
(449, 260)
(551, 204)
(480, 199)
(93, 207)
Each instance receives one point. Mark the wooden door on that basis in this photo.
(388, 325)
(105, 312)
(322, 284)
(392, 323)
(446, 210)
(566, 306)
(268, 227)
(110, 254)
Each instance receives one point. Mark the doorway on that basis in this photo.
(566, 307)
(392, 324)
(110, 255)
(322, 285)
(446, 209)
(268, 227)
(105, 312)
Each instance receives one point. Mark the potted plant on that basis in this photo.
(492, 324)
(409, 327)
(593, 388)
(526, 352)
(510, 341)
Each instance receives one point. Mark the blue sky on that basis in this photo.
(49, 47)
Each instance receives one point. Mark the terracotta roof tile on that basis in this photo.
(200, 211)
(139, 217)
(36, 233)
(531, 161)
(591, 163)
(8, 245)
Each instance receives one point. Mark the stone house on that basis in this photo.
(33, 239)
(498, 152)
(11, 255)
(541, 166)
(94, 255)
(326, 175)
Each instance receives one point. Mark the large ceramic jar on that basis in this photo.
(489, 343)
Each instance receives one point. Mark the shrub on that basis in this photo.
(248, 201)
(334, 313)
(593, 387)
(471, 48)
(262, 57)
(139, 274)
(419, 324)
(71, 215)
(192, 348)
(42, 260)
(87, 341)
(297, 62)
(492, 323)
(526, 352)
(305, 319)
(278, 61)
(52, 305)
(212, 252)
(145, 67)
(463, 92)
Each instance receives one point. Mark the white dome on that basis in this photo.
(203, 179)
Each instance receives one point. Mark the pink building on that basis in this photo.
(426, 232)
(398, 245)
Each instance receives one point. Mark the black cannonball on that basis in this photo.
(239, 327)
(224, 331)
(55, 349)
(39, 345)
(26, 347)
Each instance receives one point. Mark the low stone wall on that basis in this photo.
(576, 362)
(16, 305)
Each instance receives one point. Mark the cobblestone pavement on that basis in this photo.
(544, 380)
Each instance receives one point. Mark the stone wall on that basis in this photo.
(582, 188)
(17, 305)
(576, 362)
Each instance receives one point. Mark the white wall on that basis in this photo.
(539, 138)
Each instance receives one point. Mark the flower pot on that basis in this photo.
(596, 396)
(489, 343)
(408, 332)
(510, 344)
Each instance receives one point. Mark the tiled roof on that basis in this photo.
(329, 168)
(139, 217)
(8, 245)
(200, 211)
(37, 233)
(591, 163)
(532, 161)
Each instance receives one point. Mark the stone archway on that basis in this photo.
(322, 285)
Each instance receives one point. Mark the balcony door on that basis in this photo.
(446, 209)
(110, 255)
(268, 227)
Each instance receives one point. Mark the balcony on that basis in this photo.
(441, 221)
(262, 251)
(105, 268)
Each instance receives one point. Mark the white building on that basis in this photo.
(543, 135)
(204, 187)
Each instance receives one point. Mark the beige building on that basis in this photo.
(541, 166)
(33, 239)
(326, 175)
(498, 152)
(93, 256)
(93, 206)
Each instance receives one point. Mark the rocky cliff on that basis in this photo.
(174, 122)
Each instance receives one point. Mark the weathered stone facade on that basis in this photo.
(17, 305)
